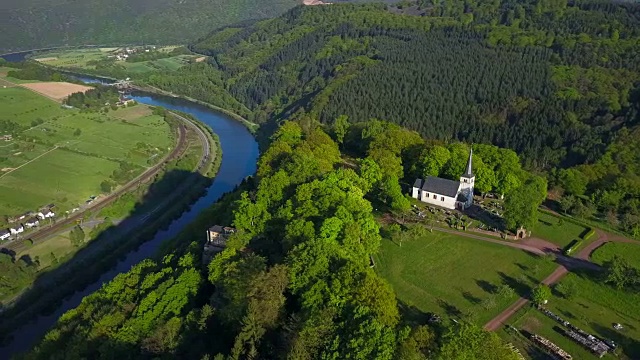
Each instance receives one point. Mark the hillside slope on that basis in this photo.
(37, 23)
(558, 83)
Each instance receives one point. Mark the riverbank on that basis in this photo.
(79, 268)
(253, 127)
(83, 76)
(240, 155)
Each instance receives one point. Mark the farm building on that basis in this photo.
(17, 229)
(4, 234)
(32, 222)
(45, 214)
(447, 193)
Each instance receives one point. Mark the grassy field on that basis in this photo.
(22, 106)
(630, 252)
(558, 231)
(593, 307)
(61, 177)
(456, 276)
(62, 155)
(86, 58)
(59, 246)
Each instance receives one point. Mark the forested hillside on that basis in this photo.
(557, 82)
(295, 280)
(46, 23)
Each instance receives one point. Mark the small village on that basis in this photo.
(124, 53)
(28, 220)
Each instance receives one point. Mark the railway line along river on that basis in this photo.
(240, 153)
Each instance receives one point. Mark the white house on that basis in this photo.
(44, 214)
(17, 229)
(4, 234)
(447, 193)
(32, 222)
(217, 235)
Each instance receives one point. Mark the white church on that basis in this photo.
(447, 193)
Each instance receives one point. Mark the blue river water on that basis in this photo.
(239, 158)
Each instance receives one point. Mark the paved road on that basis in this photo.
(582, 259)
(45, 233)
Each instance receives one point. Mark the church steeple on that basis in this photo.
(469, 172)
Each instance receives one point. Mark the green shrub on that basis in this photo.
(573, 246)
(588, 234)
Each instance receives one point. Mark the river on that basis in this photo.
(239, 157)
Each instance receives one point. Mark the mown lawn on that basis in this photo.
(593, 307)
(456, 276)
(557, 230)
(630, 252)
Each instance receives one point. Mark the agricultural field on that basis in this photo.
(103, 58)
(629, 252)
(458, 277)
(557, 230)
(591, 306)
(62, 156)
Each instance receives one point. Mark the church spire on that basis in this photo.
(469, 172)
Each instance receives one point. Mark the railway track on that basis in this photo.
(18, 246)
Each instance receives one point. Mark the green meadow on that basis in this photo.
(87, 58)
(456, 276)
(557, 230)
(62, 156)
(629, 252)
(592, 306)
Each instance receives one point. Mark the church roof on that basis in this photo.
(441, 186)
(418, 183)
(469, 172)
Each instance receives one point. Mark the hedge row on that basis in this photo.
(588, 234)
(573, 246)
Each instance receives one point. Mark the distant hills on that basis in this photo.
(28, 24)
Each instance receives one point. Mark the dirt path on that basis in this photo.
(30, 161)
(582, 258)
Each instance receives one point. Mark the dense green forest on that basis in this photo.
(47, 23)
(295, 280)
(557, 82)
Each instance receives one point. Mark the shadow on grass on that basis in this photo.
(51, 293)
(411, 314)
(517, 285)
(487, 286)
(627, 345)
(449, 309)
(470, 298)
